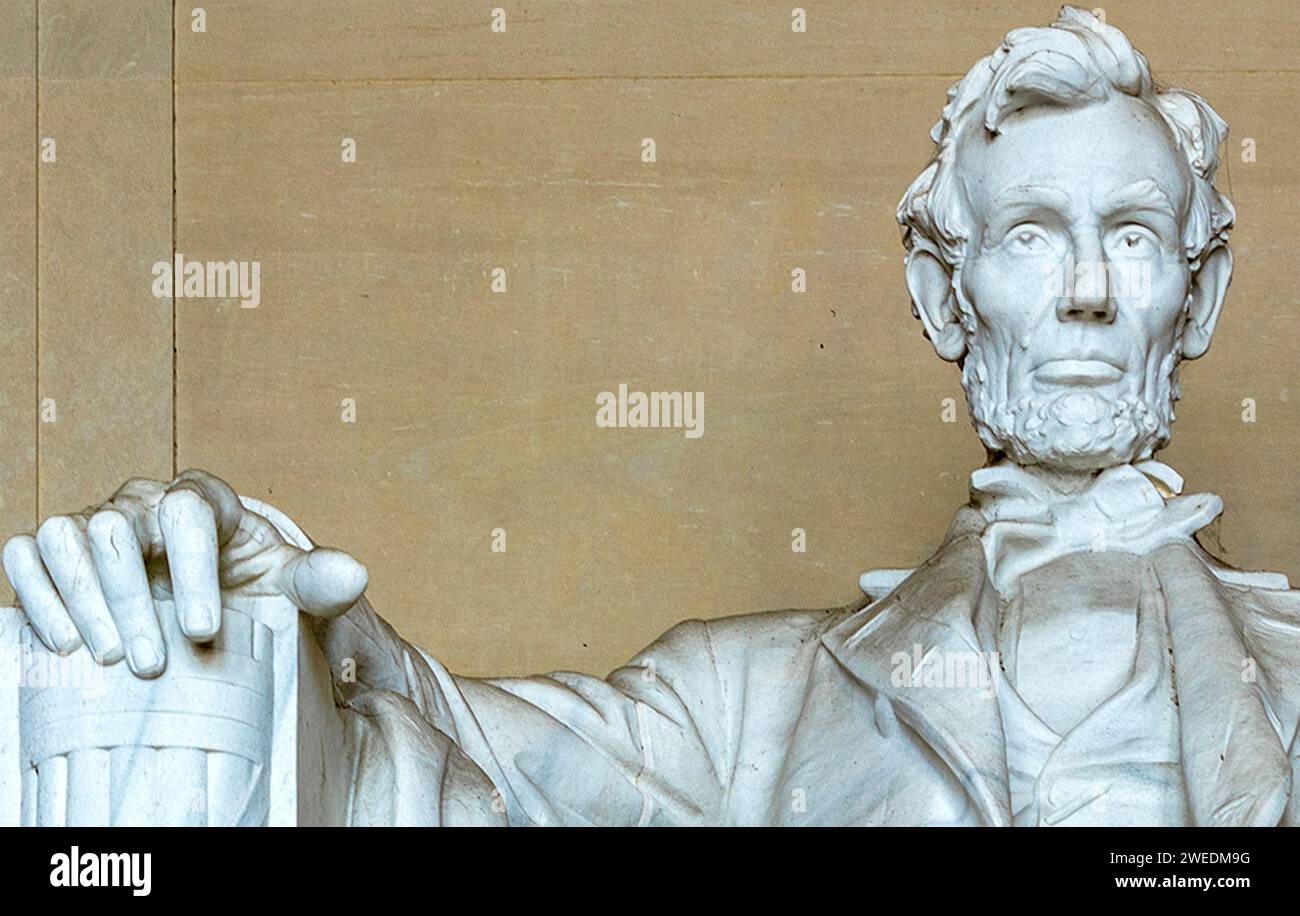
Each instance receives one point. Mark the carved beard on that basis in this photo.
(1075, 429)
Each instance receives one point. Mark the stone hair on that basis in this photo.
(1078, 60)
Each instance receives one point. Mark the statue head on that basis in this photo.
(1066, 245)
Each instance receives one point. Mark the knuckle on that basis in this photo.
(55, 531)
(183, 500)
(17, 555)
(183, 512)
(140, 522)
(107, 525)
(204, 481)
(17, 548)
(140, 487)
(210, 486)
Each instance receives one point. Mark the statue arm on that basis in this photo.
(643, 746)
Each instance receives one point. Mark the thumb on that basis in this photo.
(323, 582)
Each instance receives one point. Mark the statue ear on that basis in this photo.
(1205, 301)
(930, 283)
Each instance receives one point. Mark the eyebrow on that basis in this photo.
(1143, 194)
(1029, 195)
(1011, 205)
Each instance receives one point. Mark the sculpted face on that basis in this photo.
(1080, 284)
(1075, 282)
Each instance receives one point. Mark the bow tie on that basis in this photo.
(1131, 508)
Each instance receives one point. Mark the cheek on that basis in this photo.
(1009, 293)
(1160, 296)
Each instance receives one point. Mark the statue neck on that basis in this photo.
(1063, 481)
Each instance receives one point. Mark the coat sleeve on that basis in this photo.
(641, 747)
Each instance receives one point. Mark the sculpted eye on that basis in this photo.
(1027, 239)
(1134, 241)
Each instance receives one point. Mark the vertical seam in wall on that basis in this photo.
(175, 436)
(36, 273)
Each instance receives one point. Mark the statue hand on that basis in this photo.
(88, 576)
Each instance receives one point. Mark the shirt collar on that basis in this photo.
(1031, 516)
(1008, 490)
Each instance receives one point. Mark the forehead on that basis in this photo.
(1096, 155)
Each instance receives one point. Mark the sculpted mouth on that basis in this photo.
(1078, 372)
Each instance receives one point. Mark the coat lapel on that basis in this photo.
(1236, 769)
(938, 609)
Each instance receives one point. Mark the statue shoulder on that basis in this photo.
(744, 638)
(1268, 595)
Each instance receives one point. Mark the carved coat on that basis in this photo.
(803, 717)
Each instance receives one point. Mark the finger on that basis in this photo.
(36, 593)
(323, 582)
(138, 499)
(220, 496)
(189, 531)
(141, 488)
(125, 585)
(67, 556)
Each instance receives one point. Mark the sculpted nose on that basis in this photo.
(1087, 291)
(1099, 307)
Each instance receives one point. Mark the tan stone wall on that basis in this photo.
(522, 150)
